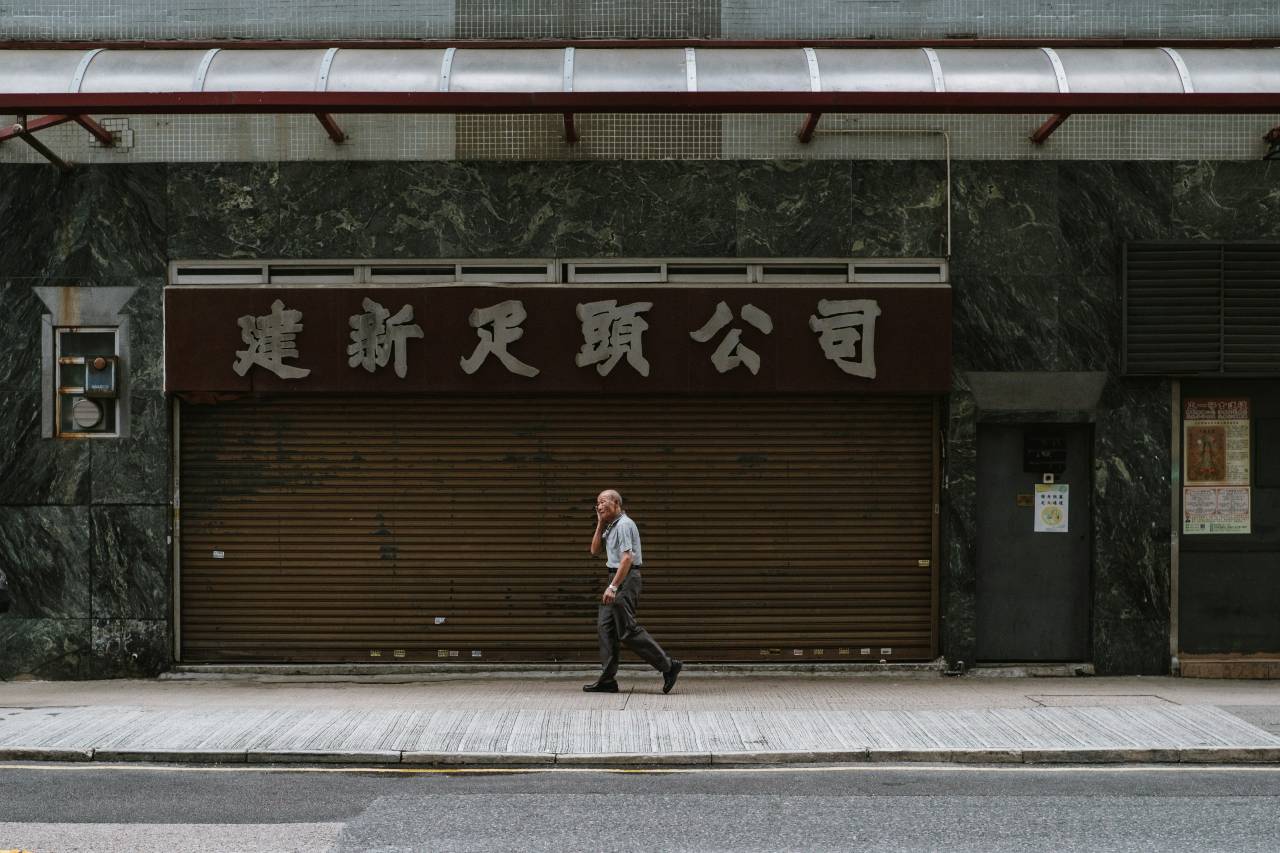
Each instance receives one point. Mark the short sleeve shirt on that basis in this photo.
(619, 537)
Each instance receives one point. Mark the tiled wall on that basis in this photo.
(741, 19)
(185, 139)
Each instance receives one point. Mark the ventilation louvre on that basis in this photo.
(507, 272)
(196, 274)
(314, 274)
(585, 272)
(740, 271)
(1202, 309)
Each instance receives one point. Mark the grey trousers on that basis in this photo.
(617, 626)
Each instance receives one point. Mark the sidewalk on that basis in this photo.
(710, 719)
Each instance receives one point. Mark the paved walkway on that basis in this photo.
(710, 719)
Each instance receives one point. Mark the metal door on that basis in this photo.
(1033, 587)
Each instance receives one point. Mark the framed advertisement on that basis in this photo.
(1216, 494)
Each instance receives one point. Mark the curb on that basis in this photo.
(500, 760)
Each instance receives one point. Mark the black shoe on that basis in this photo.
(601, 687)
(669, 677)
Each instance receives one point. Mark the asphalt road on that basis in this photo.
(53, 807)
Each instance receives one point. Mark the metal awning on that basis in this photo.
(622, 79)
(70, 84)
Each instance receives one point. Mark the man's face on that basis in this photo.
(607, 508)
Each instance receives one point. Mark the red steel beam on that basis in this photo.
(331, 127)
(104, 136)
(21, 129)
(638, 102)
(805, 134)
(100, 133)
(570, 130)
(39, 146)
(32, 126)
(1046, 130)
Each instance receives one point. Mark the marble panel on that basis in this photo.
(354, 210)
(1090, 317)
(794, 208)
(959, 527)
(899, 209)
(1005, 323)
(428, 210)
(44, 648)
(1130, 647)
(27, 220)
(1227, 200)
(33, 469)
(1132, 518)
(130, 648)
(130, 562)
(45, 554)
(108, 221)
(135, 470)
(20, 312)
(1103, 204)
(1005, 220)
(224, 210)
(146, 336)
(646, 209)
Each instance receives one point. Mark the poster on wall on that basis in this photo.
(1215, 465)
(1053, 503)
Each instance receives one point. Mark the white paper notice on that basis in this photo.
(1052, 504)
(1224, 509)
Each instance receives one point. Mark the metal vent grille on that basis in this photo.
(785, 271)
(1251, 308)
(1197, 309)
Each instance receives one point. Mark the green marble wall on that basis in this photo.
(83, 523)
(1036, 261)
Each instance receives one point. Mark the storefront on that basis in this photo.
(397, 463)
(407, 472)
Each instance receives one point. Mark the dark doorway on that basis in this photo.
(1033, 587)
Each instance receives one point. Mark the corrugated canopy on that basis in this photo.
(641, 79)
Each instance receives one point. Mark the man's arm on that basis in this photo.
(597, 541)
(624, 568)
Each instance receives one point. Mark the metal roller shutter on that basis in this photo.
(455, 528)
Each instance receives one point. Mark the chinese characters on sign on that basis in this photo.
(505, 318)
(377, 335)
(271, 340)
(732, 352)
(1215, 464)
(610, 332)
(844, 325)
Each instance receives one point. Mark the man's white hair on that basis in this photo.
(613, 495)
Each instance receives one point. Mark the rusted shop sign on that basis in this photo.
(533, 340)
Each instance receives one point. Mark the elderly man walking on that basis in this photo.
(616, 622)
